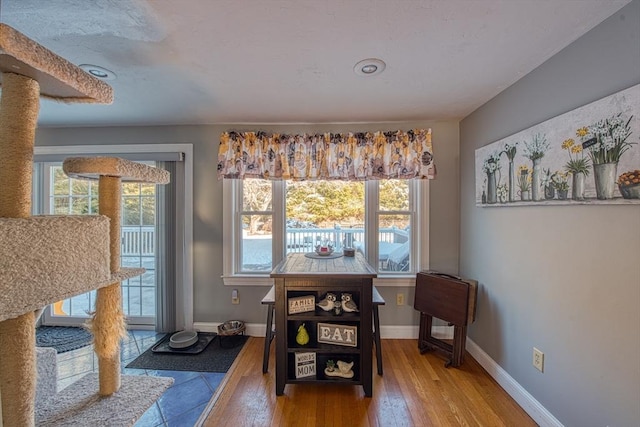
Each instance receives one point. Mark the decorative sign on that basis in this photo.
(305, 365)
(302, 304)
(346, 335)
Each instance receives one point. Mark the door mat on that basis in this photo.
(62, 338)
(214, 357)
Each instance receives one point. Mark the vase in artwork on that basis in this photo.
(549, 192)
(492, 188)
(563, 194)
(524, 195)
(512, 187)
(537, 192)
(605, 179)
(577, 187)
(503, 196)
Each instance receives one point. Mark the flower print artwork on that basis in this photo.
(581, 157)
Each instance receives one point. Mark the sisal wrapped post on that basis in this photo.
(19, 107)
(108, 325)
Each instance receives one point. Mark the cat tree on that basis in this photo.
(47, 259)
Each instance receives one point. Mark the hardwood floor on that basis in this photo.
(416, 390)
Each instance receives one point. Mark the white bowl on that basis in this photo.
(183, 339)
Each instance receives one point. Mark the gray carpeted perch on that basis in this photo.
(81, 405)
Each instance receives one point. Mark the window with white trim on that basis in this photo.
(265, 220)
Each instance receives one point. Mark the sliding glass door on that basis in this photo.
(61, 195)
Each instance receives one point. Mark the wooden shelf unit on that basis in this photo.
(298, 276)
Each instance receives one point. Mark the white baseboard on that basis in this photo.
(399, 332)
(531, 406)
(410, 332)
(386, 332)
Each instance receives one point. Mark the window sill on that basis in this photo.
(407, 281)
(395, 282)
(247, 280)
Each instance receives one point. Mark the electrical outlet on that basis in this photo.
(235, 299)
(538, 359)
(400, 298)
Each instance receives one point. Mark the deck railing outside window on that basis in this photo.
(306, 239)
(136, 240)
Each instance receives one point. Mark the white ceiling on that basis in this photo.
(291, 61)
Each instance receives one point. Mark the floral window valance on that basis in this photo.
(329, 156)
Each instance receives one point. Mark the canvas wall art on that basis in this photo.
(590, 155)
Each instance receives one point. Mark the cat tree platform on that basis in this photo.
(126, 170)
(51, 258)
(58, 78)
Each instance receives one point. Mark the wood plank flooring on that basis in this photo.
(416, 390)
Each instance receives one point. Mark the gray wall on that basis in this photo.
(212, 300)
(565, 279)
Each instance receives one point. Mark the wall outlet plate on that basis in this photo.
(399, 298)
(235, 299)
(538, 359)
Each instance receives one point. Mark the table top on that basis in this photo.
(270, 297)
(296, 264)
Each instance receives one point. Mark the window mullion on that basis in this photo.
(237, 226)
(278, 223)
(47, 199)
(270, 213)
(420, 233)
(371, 200)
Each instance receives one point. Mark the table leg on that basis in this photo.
(376, 338)
(267, 338)
(459, 341)
(424, 332)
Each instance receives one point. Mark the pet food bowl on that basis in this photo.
(231, 327)
(183, 339)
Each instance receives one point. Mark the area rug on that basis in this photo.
(62, 338)
(80, 405)
(218, 356)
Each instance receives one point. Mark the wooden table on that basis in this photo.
(448, 298)
(299, 276)
(270, 333)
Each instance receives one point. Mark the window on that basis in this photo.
(394, 218)
(255, 221)
(67, 196)
(172, 211)
(265, 220)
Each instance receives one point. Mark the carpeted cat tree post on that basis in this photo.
(50, 258)
(18, 116)
(27, 71)
(108, 323)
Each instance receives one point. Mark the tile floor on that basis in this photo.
(180, 405)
